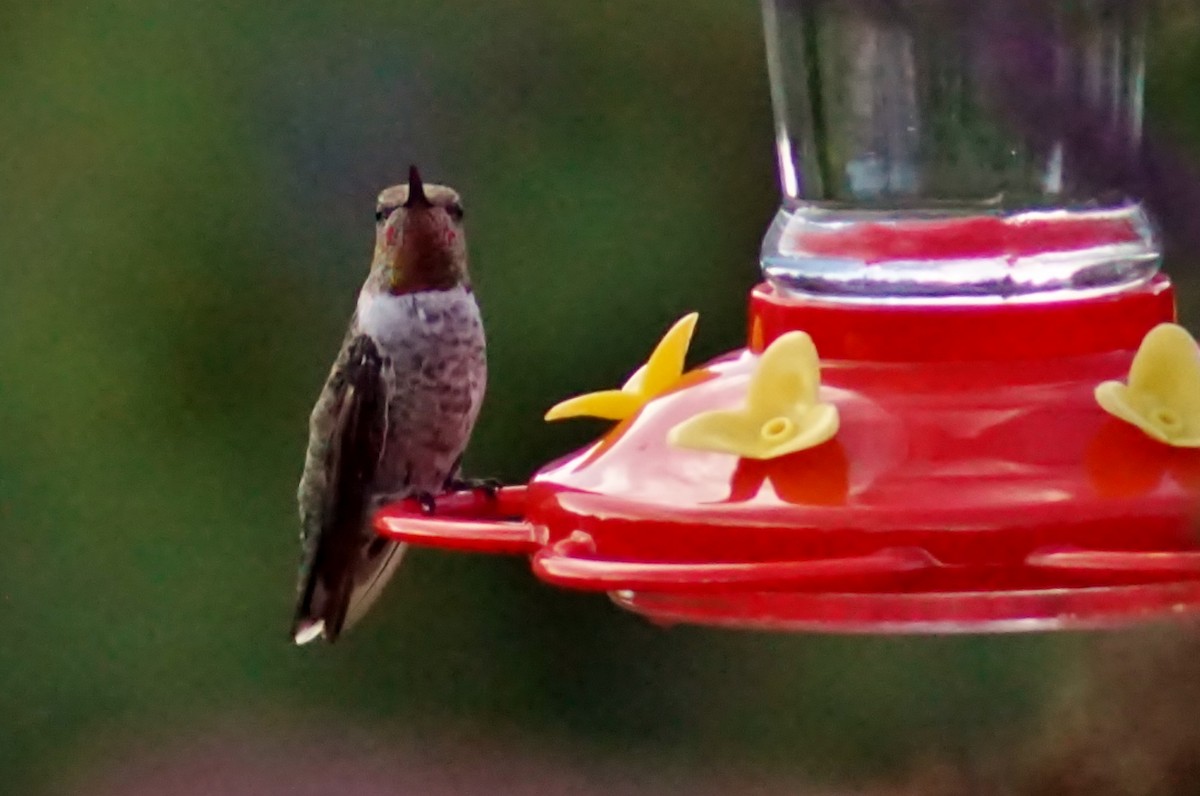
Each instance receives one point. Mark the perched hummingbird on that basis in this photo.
(398, 406)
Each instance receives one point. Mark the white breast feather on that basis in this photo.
(391, 319)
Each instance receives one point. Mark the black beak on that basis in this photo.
(416, 189)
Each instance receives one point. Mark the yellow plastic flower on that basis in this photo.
(1162, 397)
(781, 415)
(661, 371)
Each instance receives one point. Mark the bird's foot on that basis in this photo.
(489, 487)
(428, 502)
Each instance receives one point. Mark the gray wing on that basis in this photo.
(343, 559)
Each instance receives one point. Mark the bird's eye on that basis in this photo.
(382, 214)
(455, 211)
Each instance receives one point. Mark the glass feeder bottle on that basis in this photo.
(941, 149)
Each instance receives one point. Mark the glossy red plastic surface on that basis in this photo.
(1013, 330)
(921, 612)
(469, 521)
(974, 485)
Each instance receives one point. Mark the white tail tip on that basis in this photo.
(310, 631)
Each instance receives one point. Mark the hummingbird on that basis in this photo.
(397, 409)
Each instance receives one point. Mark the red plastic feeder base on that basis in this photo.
(974, 485)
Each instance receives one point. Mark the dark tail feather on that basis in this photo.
(372, 574)
(321, 612)
(325, 611)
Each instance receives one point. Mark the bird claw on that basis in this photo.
(428, 503)
(490, 487)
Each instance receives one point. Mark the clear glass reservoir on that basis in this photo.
(957, 148)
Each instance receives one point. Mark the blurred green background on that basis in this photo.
(187, 194)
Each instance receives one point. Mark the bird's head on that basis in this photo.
(419, 241)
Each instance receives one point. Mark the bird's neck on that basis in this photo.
(385, 315)
(383, 279)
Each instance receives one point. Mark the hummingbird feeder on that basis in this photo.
(963, 405)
